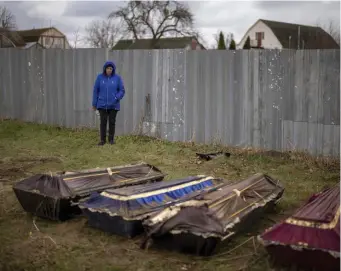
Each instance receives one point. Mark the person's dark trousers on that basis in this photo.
(105, 116)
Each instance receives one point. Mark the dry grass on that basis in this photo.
(36, 244)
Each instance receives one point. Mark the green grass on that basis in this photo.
(26, 149)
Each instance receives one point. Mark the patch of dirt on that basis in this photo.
(12, 169)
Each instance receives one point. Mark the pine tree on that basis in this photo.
(232, 45)
(221, 42)
(247, 44)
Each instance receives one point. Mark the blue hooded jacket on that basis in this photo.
(108, 90)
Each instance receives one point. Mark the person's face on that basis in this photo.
(108, 70)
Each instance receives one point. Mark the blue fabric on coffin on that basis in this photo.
(139, 189)
(174, 195)
(112, 201)
(122, 211)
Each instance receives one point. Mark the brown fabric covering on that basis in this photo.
(84, 182)
(191, 219)
(125, 175)
(227, 205)
(218, 212)
(53, 196)
(51, 186)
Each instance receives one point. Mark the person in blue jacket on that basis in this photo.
(107, 93)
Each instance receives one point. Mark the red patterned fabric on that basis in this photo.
(288, 234)
(313, 232)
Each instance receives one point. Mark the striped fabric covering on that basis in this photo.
(149, 197)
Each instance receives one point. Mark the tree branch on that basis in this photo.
(169, 28)
(154, 18)
(145, 19)
(102, 34)
(7, 19)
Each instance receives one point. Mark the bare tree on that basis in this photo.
(102, 34)
(7, 19)
(76, 38)
(155, 19)
(216, 39)
(229, 38)
(332, 27)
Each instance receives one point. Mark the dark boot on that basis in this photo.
(111, 141)
(101, 143)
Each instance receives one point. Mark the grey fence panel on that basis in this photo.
(180, 70)
(273, 91)
(272, 99)
(299, 94)
(13, 71)
(201, 102)
(15, 77)
(190, 100)
(139, 81)
(22, 74)
(330, 81)
(288, 101)
(238, 97)
(217, 108)
(263, 99)
(37, 89)
(210, 91)
(4, 84)
(165, 127)
(68, 88)
(124, 67)
(254, 89)
(123, 116)
(49, 82)
(81, 86)
(312, 86)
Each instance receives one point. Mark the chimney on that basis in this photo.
(194, 44)
(259, 39)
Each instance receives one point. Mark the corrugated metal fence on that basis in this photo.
(270, 99)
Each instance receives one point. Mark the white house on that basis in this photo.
(267, 34)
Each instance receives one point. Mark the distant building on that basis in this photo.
(10, 39)
(49, 37)
(187, 43)
(267, 34)
(38, 37)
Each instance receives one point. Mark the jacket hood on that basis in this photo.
(109, 64)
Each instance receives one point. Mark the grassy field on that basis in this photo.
(28, 243)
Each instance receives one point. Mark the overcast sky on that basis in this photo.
(211, 16)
